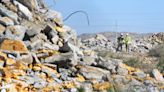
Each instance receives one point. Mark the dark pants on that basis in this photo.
(119, 47)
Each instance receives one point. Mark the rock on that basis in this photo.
(54, 39)
(40, 85)
(13, 46)
(16, 32)
(157, 75)
(90, 72)
(10, 6)
(54, 15)
(26, 58)
(63, 59)
(87, 60)
(108, 64)
(31, 4)
(2, 29)
(140, 74)
(102, 86)
(52, 47)
(2, 63)
(6, 21)
(122, 71)
(8, 13)
(101, 37)
(70, 47)
(27, 14)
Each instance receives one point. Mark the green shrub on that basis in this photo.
(160, 64)
(158, 52)
(134, 62)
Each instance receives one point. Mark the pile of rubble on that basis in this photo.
(140, 45)
(39, 53)
(157, 38)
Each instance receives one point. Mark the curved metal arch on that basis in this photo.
(79, 11)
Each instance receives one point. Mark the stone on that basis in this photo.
(87, 60)
(13, 46)
(90, 72)
(54, 39)
(40, 85)
(140, 74)
(6, 21)
(101, 37)
(157, 75)
(60, 29)
(49, 71)
(2, 29)
(10, 61)
(10, 6)
(106, 64)
(55, 16)
(31, 4)
(86, 87)
(26, 58)
(102, 86)
(4, 11)
(27, 14)
(70, 47)
(52, 47)
(63, 59)
(16, 32)
(122, 71)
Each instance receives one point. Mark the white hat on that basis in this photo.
(127, 34)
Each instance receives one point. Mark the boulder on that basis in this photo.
(55, 16)
(70, 47)
(4, 11)
(6, 21)
(27, 14)
(26, 58)
(87, 60)
(31, 4)
(63, 59)
(16, 32)
(2, 29)
(94, 73)
(13, 46)
(157, 75)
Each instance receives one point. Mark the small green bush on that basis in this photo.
(134, 62)
(158, 52)
(160, 64)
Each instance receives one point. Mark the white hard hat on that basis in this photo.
(121, 34)
(127, 34)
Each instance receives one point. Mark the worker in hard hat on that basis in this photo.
(127, 41)
(120, 41)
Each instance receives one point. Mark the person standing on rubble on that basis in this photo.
(127, 41)
(120, 41)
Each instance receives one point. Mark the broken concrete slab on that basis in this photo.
(2, 29)
(4, 11)
(13, 46)
(6, 21)
(26, 12)
(16, 32)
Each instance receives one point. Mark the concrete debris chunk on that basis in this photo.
(4, 11)
(24, 10)
(13, 46)
(6, 21)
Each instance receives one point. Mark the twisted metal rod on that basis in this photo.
(79, 11)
